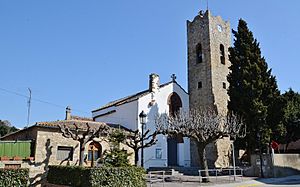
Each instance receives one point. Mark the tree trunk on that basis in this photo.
(203, 162)
(136, 157)
(81, 154)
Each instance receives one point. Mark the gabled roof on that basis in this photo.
(133, 97)
(80, 123)
(81, 118)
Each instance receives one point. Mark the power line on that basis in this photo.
(54, 104)
(39, 100)
(12, 92)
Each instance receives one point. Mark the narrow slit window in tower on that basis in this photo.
(222, 54)
(199, 53)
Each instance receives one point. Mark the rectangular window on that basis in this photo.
(158, 153)
(64, 153)
(199, 85)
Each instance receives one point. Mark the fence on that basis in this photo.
(156, 176)
(217, 174)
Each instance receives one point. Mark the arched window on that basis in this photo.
(222, 54)
(174, 103)
(199, 53)
(94, 152)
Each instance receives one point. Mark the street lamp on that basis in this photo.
(142, 117)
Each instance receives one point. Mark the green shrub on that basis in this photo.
(66, 175)
(116, 177)
(95, 177)
(14, 177)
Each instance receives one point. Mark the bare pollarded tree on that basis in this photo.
(83, 135)
(135, 138)
(202, 126)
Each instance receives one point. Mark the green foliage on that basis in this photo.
(115, 177)
(5, 128)
(253, 90)
(14, 177)
(116, 157)
(117, 137)
(291, 118)
(67, 175)
(97, 177)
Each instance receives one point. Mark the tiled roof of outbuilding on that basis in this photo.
(81, 118)
(82, 124)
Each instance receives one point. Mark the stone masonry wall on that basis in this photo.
(210, 32)
(47, 142)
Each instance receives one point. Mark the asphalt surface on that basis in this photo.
(186, 181)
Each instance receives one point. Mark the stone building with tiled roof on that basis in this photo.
(49, 147)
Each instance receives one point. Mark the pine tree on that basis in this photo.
(116, 157)
(252, 89)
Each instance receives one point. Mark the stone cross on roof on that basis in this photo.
(173, 76)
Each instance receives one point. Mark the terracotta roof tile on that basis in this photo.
(70, 123)
(81, 118)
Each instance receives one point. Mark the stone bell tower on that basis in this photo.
(209, 38)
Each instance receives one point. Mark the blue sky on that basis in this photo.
(87, 53)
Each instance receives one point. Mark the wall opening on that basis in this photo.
(199, 54)
(94, 152)
(222, 54)
(175, 104)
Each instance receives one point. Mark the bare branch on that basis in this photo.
(83, 135)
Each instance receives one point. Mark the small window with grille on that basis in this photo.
(158, 153)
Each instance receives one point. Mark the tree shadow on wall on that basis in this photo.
(41, 177)
(69, 158)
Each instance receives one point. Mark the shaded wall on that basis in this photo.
(282, 165)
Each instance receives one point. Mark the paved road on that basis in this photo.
(290, 181)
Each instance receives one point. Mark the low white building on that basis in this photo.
(158, 99)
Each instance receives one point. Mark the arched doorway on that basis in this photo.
(175, 104)
(94, 152)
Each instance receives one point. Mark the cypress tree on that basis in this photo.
(252, 89)
(291, 117)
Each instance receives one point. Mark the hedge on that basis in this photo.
(14, 177)
(91, 177)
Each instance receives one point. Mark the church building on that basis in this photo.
(157, 99)
(208, 40)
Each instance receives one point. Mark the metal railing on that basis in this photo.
(156, 176)
(230, 174)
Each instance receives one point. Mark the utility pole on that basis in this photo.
(28, 104)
